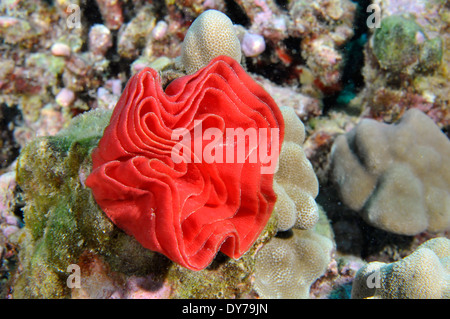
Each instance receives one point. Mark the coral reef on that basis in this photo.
(396, 176)
(10, 221)
(321, 59)
(305, 106)
(301, 38)
(111, 11)
(100, 39)
(423, 274)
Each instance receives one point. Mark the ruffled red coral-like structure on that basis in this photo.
(189, 209)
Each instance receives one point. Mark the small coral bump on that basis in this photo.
(253, 44)
(60, 49)
(115, 85)
(65, 97)
(100, 39)
(400, 45)
(160, 30)
(212, 34)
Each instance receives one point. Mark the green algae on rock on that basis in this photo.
(401, 45)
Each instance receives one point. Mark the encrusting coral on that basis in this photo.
(210, 35)
(396, 176)
(424, 274)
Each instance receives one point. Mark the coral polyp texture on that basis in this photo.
(424, 274)
(212, 34)
(189, 206)
(286, 267)
(396, 176)
(401, 45)
(295, 182)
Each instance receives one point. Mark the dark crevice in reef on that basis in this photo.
(282, 4)
(353, 235)
(352, 77)
(9, 116)
(91, 13)
(279, 72)
(236, 13)
(18, 204)
(285, 234)
(219, 260)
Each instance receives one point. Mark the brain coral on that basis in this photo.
(180, 205)
(423, 274)
(396, 176)
(210, 35)
(286, 267)
(295, 183)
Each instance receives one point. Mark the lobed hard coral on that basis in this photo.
(295, 182)
(424, 274)
(288, 264)
(212, 34)
(395, 176)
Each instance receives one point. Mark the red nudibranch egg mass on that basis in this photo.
(178, 203)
